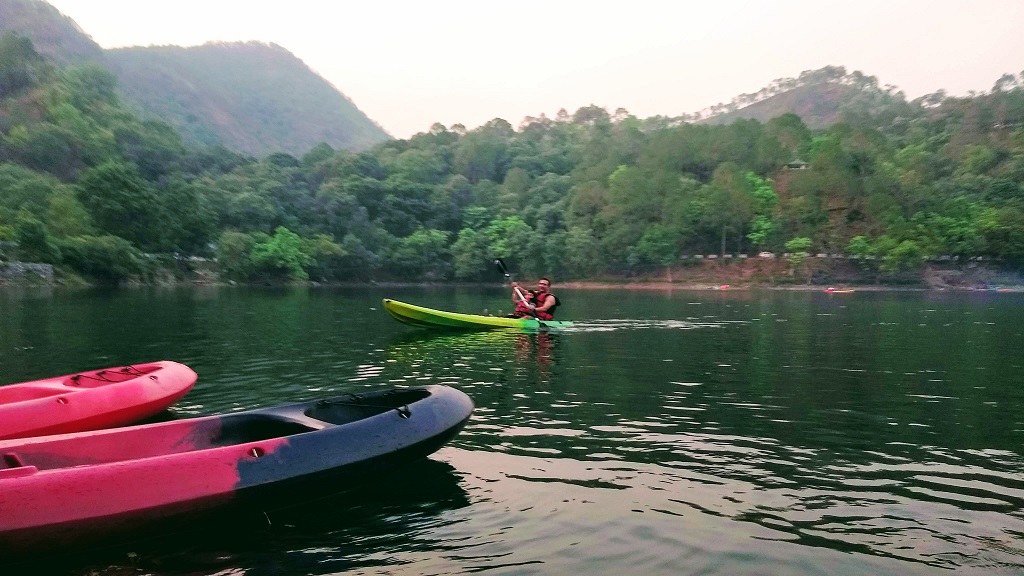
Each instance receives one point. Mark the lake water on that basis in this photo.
(711, 432)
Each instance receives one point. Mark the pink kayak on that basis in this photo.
(77, 490)
(91, 400)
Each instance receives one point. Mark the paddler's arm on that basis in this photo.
(515, 293)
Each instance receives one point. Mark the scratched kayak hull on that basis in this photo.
(423, 317)
(75, 488)
(91, 400)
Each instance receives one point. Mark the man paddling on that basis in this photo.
(539, 303)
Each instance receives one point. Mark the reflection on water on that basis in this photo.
(701, 432)
(450, 355)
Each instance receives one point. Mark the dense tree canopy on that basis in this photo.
(87, 185)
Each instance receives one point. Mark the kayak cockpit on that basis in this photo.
(345, 409)
(245, 429)
(163, 440)
(15, 394)
(179, 437)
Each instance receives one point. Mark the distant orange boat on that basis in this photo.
(831, 290)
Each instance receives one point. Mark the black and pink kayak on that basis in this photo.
(91, 400)
(74, 488)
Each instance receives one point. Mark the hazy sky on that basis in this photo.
(409, 64)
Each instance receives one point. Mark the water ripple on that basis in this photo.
(719, 433)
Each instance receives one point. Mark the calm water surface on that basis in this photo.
(739, 432)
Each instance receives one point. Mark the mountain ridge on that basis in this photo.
(54, 35)
(251, 97)
(207, 92)
(821, 98)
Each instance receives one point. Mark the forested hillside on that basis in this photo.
(820, 98)
(251, 97)
(87, 185)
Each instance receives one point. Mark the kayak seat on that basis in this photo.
(345, 409)
(244, 429)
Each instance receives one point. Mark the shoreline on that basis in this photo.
(658, 286)
(720, 285)
(747, 275)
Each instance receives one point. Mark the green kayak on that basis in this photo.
(430, 318)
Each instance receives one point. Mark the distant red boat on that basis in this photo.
(91, 400)
(70, 489)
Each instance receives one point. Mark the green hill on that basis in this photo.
(818, 105)
(251, 97)
(820, 98)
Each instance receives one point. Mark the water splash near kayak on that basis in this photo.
(611, 325)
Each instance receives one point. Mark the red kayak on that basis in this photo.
(91, 400)
(67, 490)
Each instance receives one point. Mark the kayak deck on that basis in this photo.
(423, 317)
(91, 400)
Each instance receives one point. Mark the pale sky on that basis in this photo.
(409, 64)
